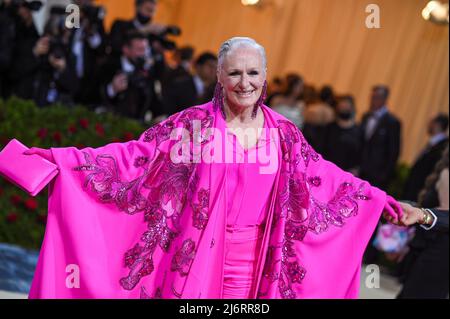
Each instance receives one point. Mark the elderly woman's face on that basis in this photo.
(242, 75)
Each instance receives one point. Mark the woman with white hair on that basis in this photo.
(222, 200)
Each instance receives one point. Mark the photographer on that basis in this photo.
(156, 34)
(7, 35)
(184, 87)
(127, 83)
(42, 67)
(87, 45)
(19, 35)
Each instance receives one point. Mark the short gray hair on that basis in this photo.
(236, 42)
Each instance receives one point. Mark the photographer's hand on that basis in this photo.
(120, 83)
(42, 46)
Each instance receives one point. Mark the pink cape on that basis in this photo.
(124, 221)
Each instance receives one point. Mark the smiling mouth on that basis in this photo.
(245, 93)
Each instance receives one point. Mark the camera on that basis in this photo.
(55, 29)
(94, 14)
(31, 5)
(162, 37)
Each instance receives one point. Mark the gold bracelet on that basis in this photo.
(426, 220)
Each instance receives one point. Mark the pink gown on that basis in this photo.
(125, 221)
(245, 219)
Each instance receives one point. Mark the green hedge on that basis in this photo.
(22, 217)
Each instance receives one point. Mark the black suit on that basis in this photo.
(33, 77)
(423, 167)
(138, 98)
(179, 92)
(117, 35)
(379, 157)
(381, 151)
(7, 35)
(88, 92)
(425, 270)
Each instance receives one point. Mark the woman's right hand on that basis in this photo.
(47, 154)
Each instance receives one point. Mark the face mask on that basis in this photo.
(346, 115)
(142, 19)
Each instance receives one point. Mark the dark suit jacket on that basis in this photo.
(133, 102)
(32, 77)
(423, 167)
(442, 220)
(179, 91)
(380, 153)
(89, 89)
(119, 29)
(425, 269)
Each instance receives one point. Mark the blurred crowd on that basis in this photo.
(125, 71)
(137, 71)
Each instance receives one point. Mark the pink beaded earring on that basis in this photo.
(260, 101)
(218, 99)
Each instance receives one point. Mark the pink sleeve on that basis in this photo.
(336, 213)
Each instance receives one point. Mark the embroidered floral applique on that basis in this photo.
(315, 181)
(183, 257)
(160, 196)
(200, 209)
(141, 161)
(300, 212)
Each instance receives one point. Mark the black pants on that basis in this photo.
(427, 271)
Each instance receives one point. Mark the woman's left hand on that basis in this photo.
(392, 212)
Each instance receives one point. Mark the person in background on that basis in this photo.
(381, 138)
(290, 103)
(342, 144)
(7, 36)
(321, 113)
(274, 89)
(381, 142)
(425, 269)
(43, 69)
(183, 60)
(26, 50)
(427, 159)
(154, 32)
(318, 115)
(191, 88)
(87, 45)
(126, 81)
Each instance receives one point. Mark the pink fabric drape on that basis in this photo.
(130, 223)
